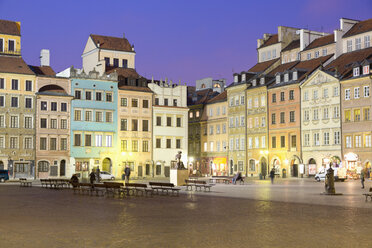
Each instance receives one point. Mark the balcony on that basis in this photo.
(10, 52)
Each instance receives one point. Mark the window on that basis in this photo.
(99, 116)
(43, 144)
(124, 102)
(205, 146)
(109, 117)
(277, 79)
(158, 143)
(366, 114)
(43, 105)
(43, 123)
(107, 61)
(237, 143)
(64, 107)
(291, 95)
(316, 139)
(282, 117)
(282, 141)
(28, 122)
(14, 122)
(123, 125)
(145, 103)
(223, 110)
(306, 115)
(326, 138)
(145, 146)
(1, 45)
(263, 121)
(77, 140)
(356, 92)
(145, 125)
(324, 52)
(347, 115)
(224, 128)
(231, 123)
(315, 94)
(306, 96)
(14, 142)
(158, 120)
(249, 103)
(358, 141)
(358, 43)
(197, 113)
(2, 120)
(178, 121)
(356, 72)
(98, 96)
(356, 114)
(274, 53)
(274, 97)
(28, 102)
(108, 140)
(316, 114)
(349, 45)
(256, 142)
(88, 115)
(218, 129)
(28, 85)
(273, 121)
(242, 121)
(263, 142)
(53, 123)
(335, 91)
(366, 91)
(256, 122)
(88, 95)
(125, 63)
(210, 112)
(273, 142)
(14, 84)
(134, 125)
(2, 101)
(169, 143)
(367, 41)
(63, 124)
(325, 113)
(281, 96)
(348, 142)
(116, 62)
(98, 140)
(108, 97)
(241, 100)
(175, 102)
(165, 101)
(156, 101)
(325, 93)
(169, 121)
(124, 145)
(307, 139)
(292, 116)
(210, 130)
(308, 56)
(77, 94)
(337, 138)
(316, 54)
(347, 94)
(53, 144)
(53, 106)
(63, 144)
(27, 143)
(14, 102)
(293, 141)
(134, 102)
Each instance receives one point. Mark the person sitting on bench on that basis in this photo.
(74, 180)
(237, 177)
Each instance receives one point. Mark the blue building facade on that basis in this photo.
(93, 123)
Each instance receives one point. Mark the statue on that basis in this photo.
(179, 165)
(329, 182)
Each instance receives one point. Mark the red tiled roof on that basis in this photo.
(360, 27)
(124, 72)
(343, 64)
(322, 41)
(260, 67)
(311, 65)
(10, 27)
(271, 41)
(293, 45)
(14, 65)
(43, 70)
(135, 88)
(219, 98)
(282, 68)
(112, 43)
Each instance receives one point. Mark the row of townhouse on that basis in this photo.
(304, 105)
(104, 115)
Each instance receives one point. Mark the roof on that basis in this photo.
(282, 68)
(360, 27)
(124, 72)
(293, 45)
(271, 41)
(260, 67)
(42, 70)
(10, 27)
(219, 98)
(201, 96)
(11, 64)
(322, 41)
(112, 43)
(344, 63)
(135, 88)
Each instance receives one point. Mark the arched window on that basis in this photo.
(203, 86)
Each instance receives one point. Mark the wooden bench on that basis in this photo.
(135, 188)
(218, 180)
(25, 183)
(368, 194)
(190, 183)
(84, 188)
(45, 182)
(114, 188)
(164, 187)
(99, 188)
(198, 184)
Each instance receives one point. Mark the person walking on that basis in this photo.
(272, 175)
(362, 175)
(98, 172)
(92, 177)
(127, 174)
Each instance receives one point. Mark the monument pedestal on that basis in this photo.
(178, 177)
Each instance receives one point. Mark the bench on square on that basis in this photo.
(99, 188)
(198, 184)
(114, 188)
(137, 188)
(368, 194)
(45, 182)
(164, 188)
(25, 183)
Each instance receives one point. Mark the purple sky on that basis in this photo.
(178, 39)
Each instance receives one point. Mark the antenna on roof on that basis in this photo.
(124, 35)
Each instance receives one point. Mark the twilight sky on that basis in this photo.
(178, 39)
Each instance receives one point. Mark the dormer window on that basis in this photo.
(274, 54)
(286, 77)
(262, 81)
(254, 82)
(235, 78)
(316, 54)
(278, 79)
(308, 56)
(243, 77)
(295, 75)
(356, 72)
(366, 70)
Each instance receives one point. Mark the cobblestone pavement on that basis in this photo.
(37, 217)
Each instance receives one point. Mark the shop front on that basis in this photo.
(82, 168)
(219, 166)
(353, 165)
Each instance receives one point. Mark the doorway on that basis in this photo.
(62, 168)
(263, 167)
(106, 165)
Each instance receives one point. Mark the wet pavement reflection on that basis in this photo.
(36, 217)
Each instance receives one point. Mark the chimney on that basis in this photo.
(44, 57)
